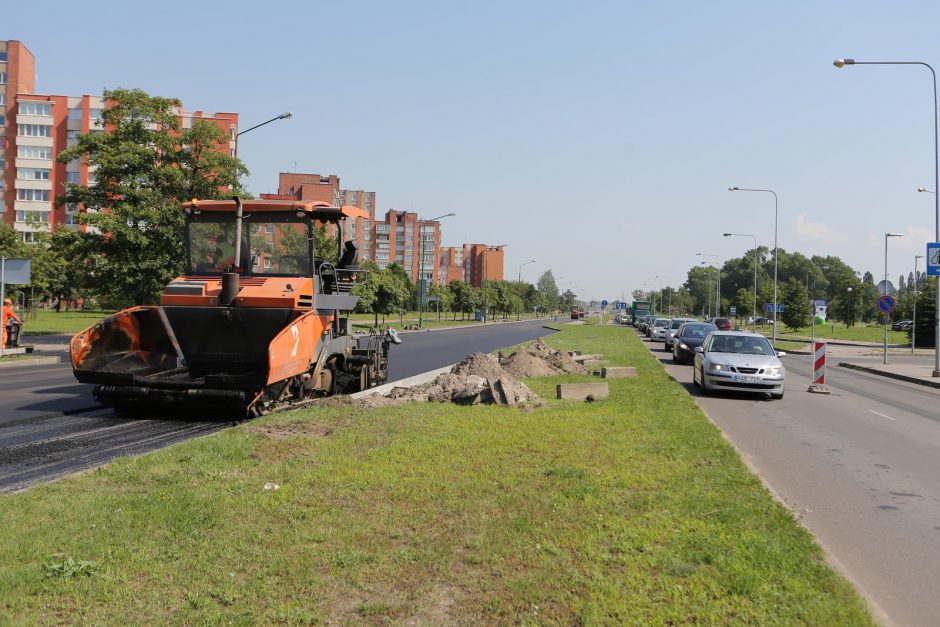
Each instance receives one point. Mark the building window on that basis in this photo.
(33, 174)
(96, 116)
(40, 195)
(3, 99)
(72, 218)
(34, 130)
(3, 56)
(72, 177)
(3, 78)
(36, 108)
(28, 236)
(25, 151)
(32, 216)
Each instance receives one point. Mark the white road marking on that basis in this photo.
(882, 415)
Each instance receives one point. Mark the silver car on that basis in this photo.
(657, 330)
(738, 361)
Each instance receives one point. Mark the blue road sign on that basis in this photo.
(621, 305)
(769, 307)
(887, 303)
(933, 259)
(734, 310)
(603, 303)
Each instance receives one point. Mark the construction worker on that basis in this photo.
(8, 316)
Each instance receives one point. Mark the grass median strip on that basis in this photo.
(633, 509)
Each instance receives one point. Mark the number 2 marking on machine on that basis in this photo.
(295, 333)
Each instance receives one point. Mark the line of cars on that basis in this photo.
(722, 359)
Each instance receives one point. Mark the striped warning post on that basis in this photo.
(819, 363)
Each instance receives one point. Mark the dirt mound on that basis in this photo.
(538, 359)
(478, 379)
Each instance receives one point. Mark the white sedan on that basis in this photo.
(739, 361)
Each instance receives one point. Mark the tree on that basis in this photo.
(145, 165)
(568, 299)
(465, 297)
(744, 301)
(795, 301)
(549, 289)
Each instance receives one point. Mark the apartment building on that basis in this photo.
(36, 128)
(17, 75)
(470, 263)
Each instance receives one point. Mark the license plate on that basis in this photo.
(746, 379)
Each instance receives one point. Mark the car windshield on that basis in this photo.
(744, 344)
(676, 324)
(698, 330)
(661, 322)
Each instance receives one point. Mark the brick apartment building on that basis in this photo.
(469, 263)
(36, 128)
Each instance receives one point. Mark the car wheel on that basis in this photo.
(704, 386)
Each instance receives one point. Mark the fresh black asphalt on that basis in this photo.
(50, 425)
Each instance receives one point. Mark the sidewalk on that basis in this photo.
(912, 373)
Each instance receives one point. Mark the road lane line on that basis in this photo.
(882, 415)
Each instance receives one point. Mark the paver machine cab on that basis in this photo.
(257, 322)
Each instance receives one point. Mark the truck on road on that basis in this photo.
(639, 309)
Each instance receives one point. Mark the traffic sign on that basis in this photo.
(734, 310)
(886, 287)
(933, 259)
(769, 307)
(886, 303)
(604, 303)
(621, 305)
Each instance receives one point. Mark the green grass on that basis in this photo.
(49, 321)
(630, 510)
(838, 331)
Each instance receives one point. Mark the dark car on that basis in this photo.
(689, 336)
(902, 325)
(723, 324)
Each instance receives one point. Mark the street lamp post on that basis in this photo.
(661, 277)
(839, 63)
(914, 317)
(284, 116)
(754, 305)
(887, 235)
(768, 191)
(708, 306)
(238, 207)
(421, 285)
(717, 280)
(519, 278)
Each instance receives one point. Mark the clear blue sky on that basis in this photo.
(598, 139)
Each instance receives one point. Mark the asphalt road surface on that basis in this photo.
(858, 467)
(51, 425)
